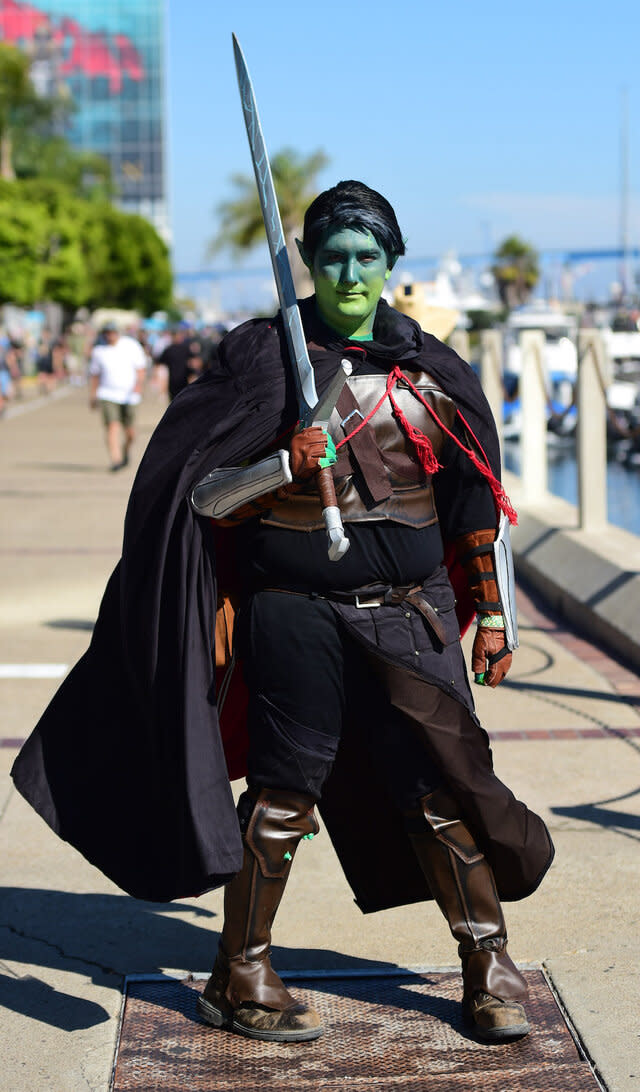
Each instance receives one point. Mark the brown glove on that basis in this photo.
(490, 658)
(307, 448)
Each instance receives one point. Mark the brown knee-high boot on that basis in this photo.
(461, 881)
(244, 993)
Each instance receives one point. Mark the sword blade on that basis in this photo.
(302, 368)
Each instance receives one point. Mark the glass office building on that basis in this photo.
(110, 56)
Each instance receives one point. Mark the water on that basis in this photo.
(623, 483)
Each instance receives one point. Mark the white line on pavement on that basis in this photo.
(16, 409)
(33, 671)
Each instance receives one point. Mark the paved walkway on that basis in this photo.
(565, 729)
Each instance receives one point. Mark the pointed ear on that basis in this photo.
(303, 254)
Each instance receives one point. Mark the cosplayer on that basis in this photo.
(358, 698)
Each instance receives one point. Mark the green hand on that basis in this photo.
(330, 456)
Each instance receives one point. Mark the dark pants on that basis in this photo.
(307, 678)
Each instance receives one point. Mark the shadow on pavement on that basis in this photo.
(574, 692)
(70, 623)
(395, 991)
(32, 997)
(105, 937)
(603, 817)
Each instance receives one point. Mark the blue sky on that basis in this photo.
(475, 120)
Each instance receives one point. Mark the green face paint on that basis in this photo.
(349, 271)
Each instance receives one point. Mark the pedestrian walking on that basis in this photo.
(117, 369)
(182, 359)
(50, 362)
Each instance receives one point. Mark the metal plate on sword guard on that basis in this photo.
(396, 1031)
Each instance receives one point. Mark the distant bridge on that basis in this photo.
(566, 257)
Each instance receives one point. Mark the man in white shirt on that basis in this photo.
(116, 376)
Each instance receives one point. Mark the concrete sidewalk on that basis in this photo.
(566, 734)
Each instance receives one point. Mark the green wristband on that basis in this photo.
(330, 456)
(491, 621)
(479, 678)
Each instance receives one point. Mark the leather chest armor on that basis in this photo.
(378, 475)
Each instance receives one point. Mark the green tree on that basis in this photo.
(128, 262)
(516, 271)
(22, 231)
(58, 246)
(62, 255)
(53, 158)
(60, 238)
(241, 224)
(21, 109)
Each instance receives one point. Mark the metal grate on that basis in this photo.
(382, 1034)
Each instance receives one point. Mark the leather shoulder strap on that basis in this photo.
(364, 448)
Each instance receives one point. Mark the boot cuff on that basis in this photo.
(493, 972)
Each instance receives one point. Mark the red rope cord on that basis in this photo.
(365, 420)
(500, 497)
(396, 374)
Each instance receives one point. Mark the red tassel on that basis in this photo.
(499, 495)
(422, 443)
(423, 447)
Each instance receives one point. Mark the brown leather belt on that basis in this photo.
(370, 595)
(374, 595)
(381, 595)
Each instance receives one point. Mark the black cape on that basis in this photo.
(127, 762)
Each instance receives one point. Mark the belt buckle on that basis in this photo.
(372, 603)
(345, 420)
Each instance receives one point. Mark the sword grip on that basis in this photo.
(338, 541)
(326, 487)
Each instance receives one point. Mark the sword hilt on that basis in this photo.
(338, 541)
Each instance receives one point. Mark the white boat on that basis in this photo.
(559, 368)
(560, 359)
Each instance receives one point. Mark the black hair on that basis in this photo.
(352, 204)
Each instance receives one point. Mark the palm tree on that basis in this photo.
(241, 224)
(516, 271)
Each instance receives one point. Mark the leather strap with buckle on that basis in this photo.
(374, 596)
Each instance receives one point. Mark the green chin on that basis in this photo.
(348, 316)
(358, 305)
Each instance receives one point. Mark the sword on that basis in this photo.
(297, 346)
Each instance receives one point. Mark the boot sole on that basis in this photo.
(500, 1035)
(217, 1019)
(495, 1035)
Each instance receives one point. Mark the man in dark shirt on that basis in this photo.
(181, 358)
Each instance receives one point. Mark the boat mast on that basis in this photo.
(625, 271)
